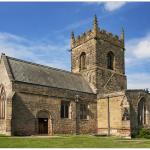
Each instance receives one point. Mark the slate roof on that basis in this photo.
(47, 76)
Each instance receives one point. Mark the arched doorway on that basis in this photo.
(44, 123)
(142, 112)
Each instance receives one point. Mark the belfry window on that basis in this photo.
(65, 109)
(110, 61)
(2, 102)
(83, 61)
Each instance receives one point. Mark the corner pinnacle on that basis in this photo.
(95, 24)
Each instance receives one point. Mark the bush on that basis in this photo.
(144, 133)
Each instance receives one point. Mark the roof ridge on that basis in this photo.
(54, 87)
(44, 66)
(135, 89)
(34, 73)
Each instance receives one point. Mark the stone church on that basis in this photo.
(91, 99)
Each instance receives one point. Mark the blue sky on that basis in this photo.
(40, 32)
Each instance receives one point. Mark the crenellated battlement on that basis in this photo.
(111, 38)
(97, 33)
(109, 34)
(82, 38)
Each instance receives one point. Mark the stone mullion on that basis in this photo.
(4, 107)
(8, 111)
(146, 115)
(0, 109)
(143, 113)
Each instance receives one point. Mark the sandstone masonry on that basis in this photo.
(91, 99)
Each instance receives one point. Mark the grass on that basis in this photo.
(80, 141)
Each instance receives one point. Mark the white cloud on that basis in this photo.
(74, 26)
(110, 5)
(45, 53)
(138, 50)
(140, 47)
(138, 81)
(114, 5)
(137, 62)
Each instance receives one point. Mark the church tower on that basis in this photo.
(99, 56)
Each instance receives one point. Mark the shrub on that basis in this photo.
(144, 133)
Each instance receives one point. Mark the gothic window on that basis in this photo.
(83, 61)
(110, 61)
(83, 111)
(141, 112)
(65, 109)
(2, 102)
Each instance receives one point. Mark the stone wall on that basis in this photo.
(110, 114)
(30, 99)
(109, 81)
(97, 44)
(5, 124)
(89, 73)
(103, 46)
(134, 96)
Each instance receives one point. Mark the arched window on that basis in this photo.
(110, 61)
(141, 112)
(2, 102)
(83, 61)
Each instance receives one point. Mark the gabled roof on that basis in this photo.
(47, 76)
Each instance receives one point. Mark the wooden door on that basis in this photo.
(43, 125)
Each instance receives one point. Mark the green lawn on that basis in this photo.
(72, 142)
